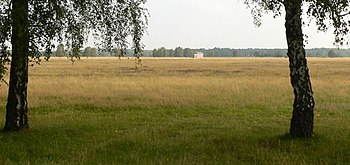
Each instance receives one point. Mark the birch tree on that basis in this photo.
(326, 14)
(33, 26)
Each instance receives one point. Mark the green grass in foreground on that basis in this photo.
(161, 124)
(168, 135)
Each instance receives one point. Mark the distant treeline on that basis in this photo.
(214, 52)
(228, 52)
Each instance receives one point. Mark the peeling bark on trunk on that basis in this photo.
(303, 107)
(16, 109)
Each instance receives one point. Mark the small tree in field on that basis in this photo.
(326, 13)
(60, 50)
(87, 52)
(188, 52)
(179, 51)
(331, 53)
(94, 52)
(32, 26)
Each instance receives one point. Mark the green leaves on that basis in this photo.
(327, 13)
(335, 13)
(5, 28)
(72, 21)
(260, 7)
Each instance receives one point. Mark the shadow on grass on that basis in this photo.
(286, 139)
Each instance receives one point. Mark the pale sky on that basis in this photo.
(218, 23)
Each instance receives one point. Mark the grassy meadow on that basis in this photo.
(177, 111)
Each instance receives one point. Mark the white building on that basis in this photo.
(198, 55)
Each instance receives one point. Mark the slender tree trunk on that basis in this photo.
(16, 109)
(303, 107)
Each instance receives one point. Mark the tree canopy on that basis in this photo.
(71, 22)
(325, 13)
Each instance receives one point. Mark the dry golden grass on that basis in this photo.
(178, 111)
(181, 82)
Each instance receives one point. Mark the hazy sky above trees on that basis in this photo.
(218, 23)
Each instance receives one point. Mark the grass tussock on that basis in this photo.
(178, 111)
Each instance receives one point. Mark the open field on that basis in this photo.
(178, 111)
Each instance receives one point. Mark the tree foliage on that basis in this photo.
(179, 51)
(94, 52)
(71, 22)
(332, 54)
(326, 13)
(60, 52)
(87, 52)
(188, 52)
